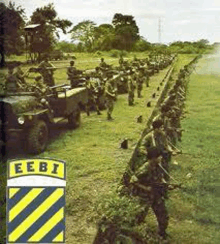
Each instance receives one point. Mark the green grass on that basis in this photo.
(195, 211)
(95, 163)
(84, 61)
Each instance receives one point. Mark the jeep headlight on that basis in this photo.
(21, 120)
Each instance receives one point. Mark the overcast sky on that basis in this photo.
(181, 20)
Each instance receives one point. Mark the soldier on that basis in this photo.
(71, 72)
(147, 78)
(99, 75)
(121, 62)
(110, 95)
(131, 88)
(157, 138)
(139, 80)
(46, 69)
(103, 66)
(20, 76)
(150, 186)
(94, 91)
(40, 84)
(11, 83)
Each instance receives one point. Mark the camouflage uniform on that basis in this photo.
(103, 66)
(11, 83)
(157, 138)
(110, 94)
(147, 78)
(139, 80)
(94, 90)
(40, 84)
(149, 185)
(131, 88)
(20, 76)
(71, 72)
(47, 73)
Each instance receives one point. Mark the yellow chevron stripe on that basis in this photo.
(24, 202)
(13, 191)
(33, 217)
(59, 237)
(47, 226)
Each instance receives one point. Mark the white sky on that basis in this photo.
(181, 20)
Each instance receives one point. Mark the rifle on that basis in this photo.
(169, 186)
(178, 151)
(38, 69)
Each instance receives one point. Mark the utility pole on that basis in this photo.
(159, 31)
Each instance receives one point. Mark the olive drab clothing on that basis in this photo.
(47, 73)
(152, 194)
(94, 93)
(11, 83)
(71, 72)
(19, 74)
(139, 80)
(157, 138)
(131, 89)
(110, 95)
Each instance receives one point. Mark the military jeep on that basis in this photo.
(30, 114)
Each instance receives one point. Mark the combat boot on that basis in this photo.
(109, 117)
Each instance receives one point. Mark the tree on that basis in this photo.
(84, 32)
(126, 31)
(49, 31)
(66, 47)
(105, 36)
(142, 45)
(203, 43)
(11, 30)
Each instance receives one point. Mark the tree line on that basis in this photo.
(86, 36)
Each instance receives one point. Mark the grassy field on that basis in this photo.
(83, 61)
(95, 163)
(195, 212)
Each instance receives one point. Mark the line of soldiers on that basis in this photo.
(108, 82)
(104, 82)
(151, 179)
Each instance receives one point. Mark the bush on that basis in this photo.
(114, 53)
(98, 53)
(113, 207)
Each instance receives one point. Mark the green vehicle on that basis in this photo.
(29, 115)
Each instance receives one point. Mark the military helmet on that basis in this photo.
(38, 78)
(72, 62)
(165, 108)
(153, 152)
(157, 123)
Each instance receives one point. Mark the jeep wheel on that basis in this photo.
(38, 137)
(74, 119)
